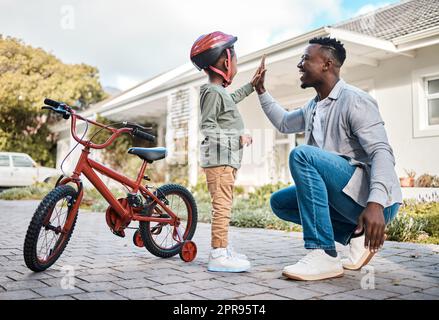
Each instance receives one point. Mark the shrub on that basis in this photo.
(410, 173)
(424, 181)
(246, 216)
(261, 195)
(250, 210)
(33, 192)
(405, 228)
(418, 220)
(178, 173)
(427, 181)
(201, 193)
(92, 198)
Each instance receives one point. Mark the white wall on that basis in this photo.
(393, 90)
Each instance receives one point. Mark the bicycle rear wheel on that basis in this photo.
(45, 239)
(158, 238)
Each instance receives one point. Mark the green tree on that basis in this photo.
(27, 76)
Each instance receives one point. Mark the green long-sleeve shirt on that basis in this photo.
(221, 125)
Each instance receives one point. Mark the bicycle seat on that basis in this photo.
(149, 154)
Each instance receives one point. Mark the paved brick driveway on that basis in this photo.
(108, 267)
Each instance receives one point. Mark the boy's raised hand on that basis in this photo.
(259, 77)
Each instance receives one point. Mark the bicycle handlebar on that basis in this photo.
(58, 107)
(143, 135)
(52, 103)
(132, 128)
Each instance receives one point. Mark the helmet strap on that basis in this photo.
(226, 76)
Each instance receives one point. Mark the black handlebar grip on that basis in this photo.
(52, 103)
(143, 135)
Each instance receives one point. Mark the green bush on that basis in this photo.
(92, 198)
(201, 193)
(417, 221)
(250, 210)
(246, 216)
(33, 192)
(405, 228)
(261, 195)
(427, 181)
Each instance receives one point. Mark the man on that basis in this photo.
(346, 188)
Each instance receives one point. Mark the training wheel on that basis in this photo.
(137, 239)
(188, 251)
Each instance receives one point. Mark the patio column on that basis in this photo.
(193, 133)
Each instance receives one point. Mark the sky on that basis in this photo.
(130, 41)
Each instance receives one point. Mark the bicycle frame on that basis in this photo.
(88, 167)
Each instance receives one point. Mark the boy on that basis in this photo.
(221, 149)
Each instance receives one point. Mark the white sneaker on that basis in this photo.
(359, 256)
(220, 260)
(233, 253)
(316, 265)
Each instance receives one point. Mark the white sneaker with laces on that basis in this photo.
(220, 260)
(316, 265)
(232, 252)
(358, 256)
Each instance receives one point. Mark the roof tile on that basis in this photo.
(396, 20)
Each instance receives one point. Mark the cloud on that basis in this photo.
(369, 8)
(130, 41)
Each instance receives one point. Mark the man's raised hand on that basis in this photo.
(259, 77)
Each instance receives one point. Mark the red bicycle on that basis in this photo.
(167, 215)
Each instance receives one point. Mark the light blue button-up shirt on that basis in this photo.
(352, 127)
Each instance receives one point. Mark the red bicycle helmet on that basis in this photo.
(208, 48)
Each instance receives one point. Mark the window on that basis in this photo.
(4, 161)
(425, 93)
(432, 95)
(22, 161)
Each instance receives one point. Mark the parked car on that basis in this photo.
(19, 169)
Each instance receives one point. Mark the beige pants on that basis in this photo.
(220, 182)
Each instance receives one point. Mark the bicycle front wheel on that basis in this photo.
(45, 238)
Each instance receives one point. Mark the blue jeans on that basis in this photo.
(317, 201)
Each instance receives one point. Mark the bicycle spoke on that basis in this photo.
(58, 212)
(169, 239)
(49, 247)
(165, 237)
(42, 243)
(49, 238)
(43, 248)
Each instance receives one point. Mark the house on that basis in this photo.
(392, 53)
